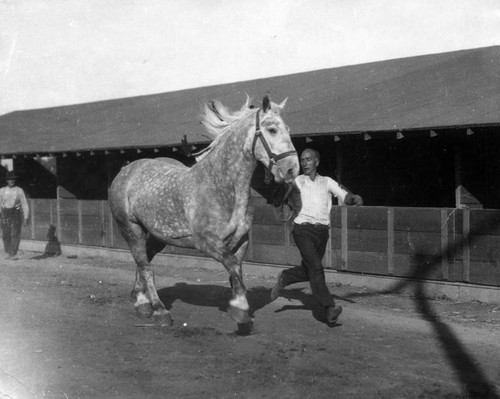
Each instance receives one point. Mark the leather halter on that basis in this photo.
(273, 158)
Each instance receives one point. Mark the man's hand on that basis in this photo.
(353, 200)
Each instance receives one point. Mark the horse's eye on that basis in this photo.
(272, 130)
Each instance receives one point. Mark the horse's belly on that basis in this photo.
(184, 242)
(173, 229)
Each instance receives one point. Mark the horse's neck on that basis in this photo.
(230, 164)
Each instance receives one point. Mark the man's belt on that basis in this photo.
(312, 224)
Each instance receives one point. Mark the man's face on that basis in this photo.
(309, 162)
(11, 183)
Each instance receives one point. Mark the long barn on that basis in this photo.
(417, 137)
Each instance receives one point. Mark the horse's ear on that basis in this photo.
(283, 103)
(266, 103)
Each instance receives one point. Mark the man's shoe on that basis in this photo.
(275, 292)
(332, 313)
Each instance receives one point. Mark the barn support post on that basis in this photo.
(458, 176)
(338, 161)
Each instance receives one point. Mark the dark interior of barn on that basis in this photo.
(418, 169)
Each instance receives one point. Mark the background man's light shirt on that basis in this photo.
(11, 197)
(317, 198)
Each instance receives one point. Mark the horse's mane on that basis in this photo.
(216, 118)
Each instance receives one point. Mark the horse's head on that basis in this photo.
(272, 145)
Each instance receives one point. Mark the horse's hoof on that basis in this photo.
(162, 319)
(239, 315)
(245, 329)
(144, 310)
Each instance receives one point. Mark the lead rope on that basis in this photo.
(284, 210)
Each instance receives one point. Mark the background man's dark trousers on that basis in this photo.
(11, 230)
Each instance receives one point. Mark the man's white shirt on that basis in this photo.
(316, 198)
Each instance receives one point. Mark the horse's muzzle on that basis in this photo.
(287, 169)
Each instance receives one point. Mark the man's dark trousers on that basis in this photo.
(311, 240)
(11, 230)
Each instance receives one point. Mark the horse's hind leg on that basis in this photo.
(147, 301)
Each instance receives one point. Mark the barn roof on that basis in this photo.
(460, 88)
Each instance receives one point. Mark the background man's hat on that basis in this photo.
(11, 175)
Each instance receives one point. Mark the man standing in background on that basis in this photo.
(14, 209)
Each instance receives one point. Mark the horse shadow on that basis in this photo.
(214, 296)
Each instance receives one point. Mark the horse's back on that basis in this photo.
(137, 176)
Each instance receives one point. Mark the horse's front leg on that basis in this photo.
(212, 245)
(240, 253)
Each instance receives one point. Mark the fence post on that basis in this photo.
(32, 217)
(287, 242)
(343, 237)
(111, 230)
(80, 226)
(249, 253)
(103, 225)
(390, 241)
(327, 259)
(58, 209)
(466, 245)
(444, 244)
(51, 213)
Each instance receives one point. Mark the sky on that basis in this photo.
(61, 52)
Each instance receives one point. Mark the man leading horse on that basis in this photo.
(312, 195)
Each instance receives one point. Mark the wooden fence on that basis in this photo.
(434, 243)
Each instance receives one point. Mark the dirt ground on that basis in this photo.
(68, 330)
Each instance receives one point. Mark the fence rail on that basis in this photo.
(462, 245)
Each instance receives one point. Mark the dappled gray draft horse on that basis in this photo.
(160, 201)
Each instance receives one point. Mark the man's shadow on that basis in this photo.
(216, 296)
(308, 302)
